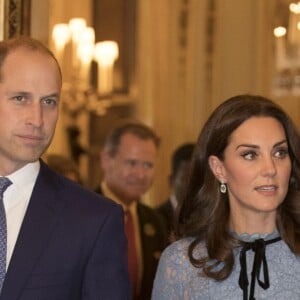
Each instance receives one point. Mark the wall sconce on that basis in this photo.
(78, 94)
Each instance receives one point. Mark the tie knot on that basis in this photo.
(127, 214)
(4, 184)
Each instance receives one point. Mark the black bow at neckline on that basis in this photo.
(259, 248)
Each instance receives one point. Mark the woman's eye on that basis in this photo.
(250, 155)
(281, 153)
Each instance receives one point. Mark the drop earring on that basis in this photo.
(223, 188)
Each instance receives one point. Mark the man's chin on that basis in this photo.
(134, 197)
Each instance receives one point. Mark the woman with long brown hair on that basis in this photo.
(238, 225)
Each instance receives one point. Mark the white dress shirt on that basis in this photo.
(16, 199)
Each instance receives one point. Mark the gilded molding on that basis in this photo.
(16, 19)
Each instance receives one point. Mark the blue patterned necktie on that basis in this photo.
(4, 183)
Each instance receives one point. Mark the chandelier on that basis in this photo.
(287, 53)
(75, 49)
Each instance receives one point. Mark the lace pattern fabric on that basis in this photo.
(178, 279)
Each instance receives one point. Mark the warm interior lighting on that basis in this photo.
(88, 35)
(85, 48)
(61, 35)
(295, 8)
(105, 54)
(287, 52)
(85, 52)
(77, 25)
(78, 93)
(280, 31)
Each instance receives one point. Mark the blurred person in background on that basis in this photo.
(128, 163)
(180, 166)
(64, 166)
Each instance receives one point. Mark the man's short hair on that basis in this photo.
(25, 42)
(139, 130)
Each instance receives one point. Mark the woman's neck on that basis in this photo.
(258, 224)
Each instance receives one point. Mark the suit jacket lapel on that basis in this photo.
(38, 223)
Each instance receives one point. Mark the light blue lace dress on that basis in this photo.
(178, 279)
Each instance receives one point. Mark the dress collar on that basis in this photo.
(248, 238)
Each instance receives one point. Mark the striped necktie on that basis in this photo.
(4, 183)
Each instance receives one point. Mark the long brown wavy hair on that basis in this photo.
(204, 211)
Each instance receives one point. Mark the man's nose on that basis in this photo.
(35, 115)
(140, 171)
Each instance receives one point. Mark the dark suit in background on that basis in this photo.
(167, 211)
(153, 237)
(180, 165)
(128, 162)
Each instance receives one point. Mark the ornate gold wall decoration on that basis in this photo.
(16, 18)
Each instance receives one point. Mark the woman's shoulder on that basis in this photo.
(179, 245)
(178, 251)
(184, 243)
(177, 277)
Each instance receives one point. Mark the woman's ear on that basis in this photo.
(217, 167)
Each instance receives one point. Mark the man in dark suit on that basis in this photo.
(179, 175)
(128, 161)
(63, 242)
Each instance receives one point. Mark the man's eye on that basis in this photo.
(131, 163)
(147, 165)
(50, 101)
(19, 98)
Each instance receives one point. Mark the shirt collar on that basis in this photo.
(109, 194)
(26, 174)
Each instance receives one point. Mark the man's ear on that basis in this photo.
(105, 160)
(217, 167)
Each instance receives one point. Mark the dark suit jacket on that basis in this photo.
(153, 235)
(167, 211)
(71, 246)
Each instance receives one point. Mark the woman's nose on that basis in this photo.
(269, 167)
